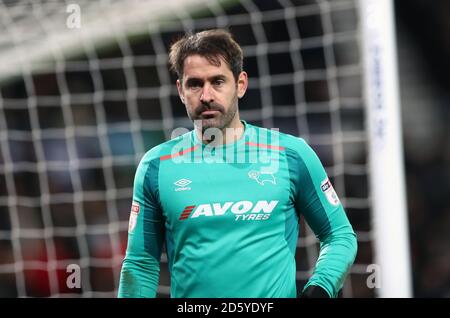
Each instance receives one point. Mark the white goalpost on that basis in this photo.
(82, 101)
(387, 179)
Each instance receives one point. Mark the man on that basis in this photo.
(226, 197)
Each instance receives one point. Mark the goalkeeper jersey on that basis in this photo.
(229, 218)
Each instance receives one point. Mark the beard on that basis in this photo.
(219, 120)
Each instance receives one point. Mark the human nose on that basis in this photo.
(207, 95)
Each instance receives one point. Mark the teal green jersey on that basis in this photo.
(229, 218)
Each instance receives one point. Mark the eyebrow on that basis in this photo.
(217, 77)
(193, 80)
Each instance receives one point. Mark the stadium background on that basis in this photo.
(78, 212)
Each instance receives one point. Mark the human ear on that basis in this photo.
(242, 84)
(180, 91)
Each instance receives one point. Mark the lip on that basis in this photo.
(209, 112)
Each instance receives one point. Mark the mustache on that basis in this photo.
(209, 106)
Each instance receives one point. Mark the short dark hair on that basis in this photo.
(210, 44)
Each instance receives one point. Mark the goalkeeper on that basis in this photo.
(226, 197)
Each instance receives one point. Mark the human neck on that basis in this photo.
(229, 134)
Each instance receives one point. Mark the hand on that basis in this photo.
(313, 291)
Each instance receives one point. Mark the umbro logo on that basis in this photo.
(182, 184)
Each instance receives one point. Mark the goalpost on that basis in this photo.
(82, 100)
(386, 148)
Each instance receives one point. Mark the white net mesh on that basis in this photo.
(79, 108)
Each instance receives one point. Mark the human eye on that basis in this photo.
(218, 82)
(194, 84)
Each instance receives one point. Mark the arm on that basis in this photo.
(324, 213)
(140, 269)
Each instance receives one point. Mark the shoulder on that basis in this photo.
(164, 149)
(293, 146)
(285, 141)
(296, 148)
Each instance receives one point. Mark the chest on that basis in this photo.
(234, 194)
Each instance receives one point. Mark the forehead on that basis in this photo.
(199, 67)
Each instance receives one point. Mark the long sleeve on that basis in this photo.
(140, 269)
(324, 213)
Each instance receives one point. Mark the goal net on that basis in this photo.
(86, 91)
